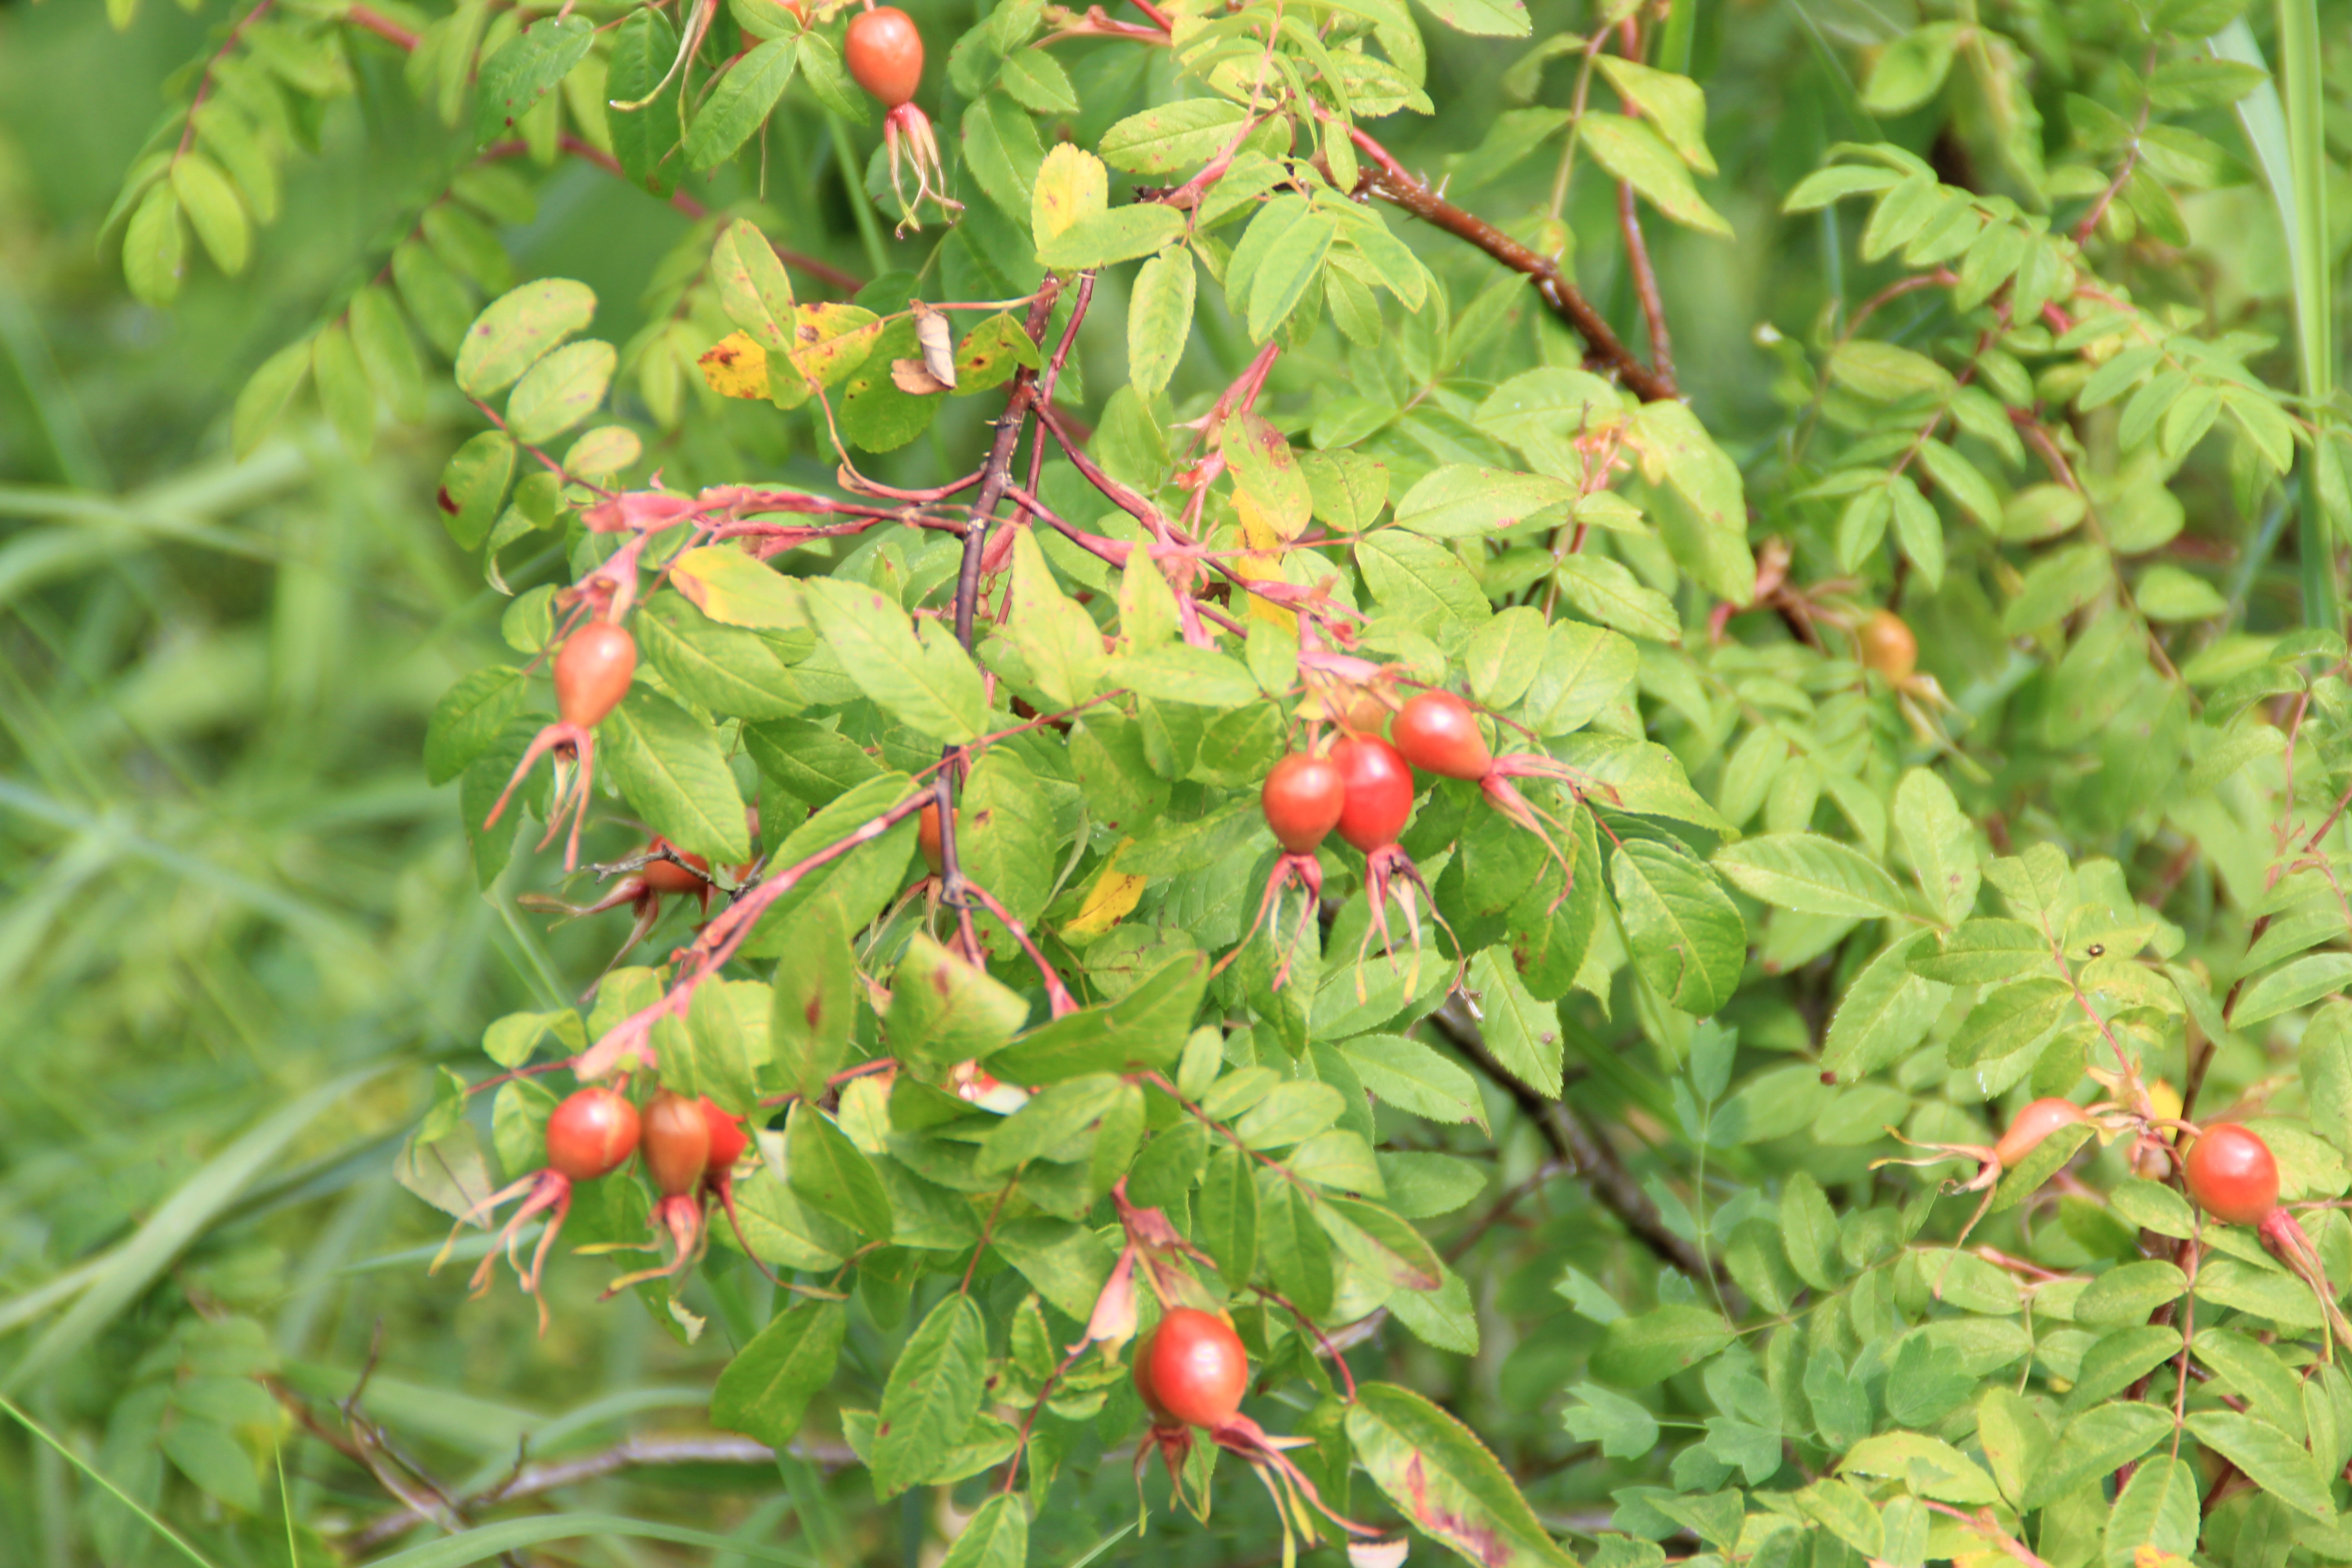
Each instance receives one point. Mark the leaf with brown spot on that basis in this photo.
(1448, 1486)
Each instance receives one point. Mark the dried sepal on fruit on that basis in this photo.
(590, 1134)
(594, 670)
(676, 1155)
(2026, 1133)
(1303, 798)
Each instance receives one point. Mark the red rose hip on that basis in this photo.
(1438, 733)
(1303, 799)
(676, 1143)
(884, 52)
(1194, 1370)
(2035, 1123)
(1380, 790)
(593, 671)
(590, 1134)
(2233, 1174)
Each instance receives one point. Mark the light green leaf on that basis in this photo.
(931, 684)
(1634, 152)
(1807, 872)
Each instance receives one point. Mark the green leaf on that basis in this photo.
(813, 1001)
(1939, 842)
(1144, 1030)
(1000, 148)
(742, 102)
(2096, 1442)
(1911, 69)
(1886, 1012)
(933, 1394)
(527, 69)
(1625, 1429)
(833, 1173)
(642, 138)
(1172, 137)
(753, 288)
(719, 668)
(1606, 592)
(1631, 152)
(2157, 1508)
(1673, 104)
(1885, 373)
(1106, 238)
(214, 208)
(1807, 872)
(1227, 1212)
(1280, 255)
(561, 391)
(2271, 1460)
(1524, 1033)
(995, 1537)
(668, 767)
(511, 334)
(1414, 1077)
(765, 1390)
(380, 332)
(1050, 1119)
(1685, 932)
(1460, 500)
(2129, 1293)
(344, 388)
(2325, 1058)
(1482, 18)
(943, 1011)
(1435, 1472)
(468, 720)
(1638, 1352)
(266, 397)
(931, 684)
(2006, 1021)
(2294, 985)
(155, 248)
(1160, 316)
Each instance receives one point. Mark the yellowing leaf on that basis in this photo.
(1264, 568)
(1072, 185)
(735, 366)
(1110, 900)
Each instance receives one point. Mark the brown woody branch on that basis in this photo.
(629, 1454)
(1586, 1153)
(1645, 283)
(1557, 289)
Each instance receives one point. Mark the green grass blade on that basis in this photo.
(481, 1545)
(108, 1486)
(133, 1267)
(2285, 134)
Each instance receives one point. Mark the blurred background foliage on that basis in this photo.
(237, 929)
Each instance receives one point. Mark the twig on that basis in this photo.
(1645, 284)
(1587, 1154)
(375, 21)
(630, 1453)
(205, 87)
(1558, 292)
(832, 277)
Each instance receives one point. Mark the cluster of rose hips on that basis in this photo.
(1363, 787)
(688, 1149)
